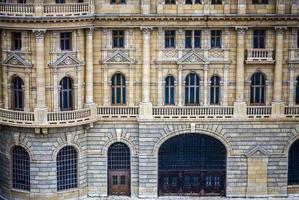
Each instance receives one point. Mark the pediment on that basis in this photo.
(16, 60)
(192, 58)
(119, 57)
(257, 151)
(66, 60)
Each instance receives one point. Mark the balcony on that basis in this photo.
(259, 111)
(68, 9)
(117, 112)
(260, 56)
(16, 9)
(291, 111)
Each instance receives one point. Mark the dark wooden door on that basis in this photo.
(119, 183)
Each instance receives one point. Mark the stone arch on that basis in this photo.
(126, 141)
(76, 147)
(208, 132)
(14, 75)
(291, 141)
(28, 150)
(68, 75)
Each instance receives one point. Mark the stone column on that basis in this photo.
(27, 92)
(225, 85)
(277, 104)
(180, 86)
(145, 7)
(291, 85)
(5, 87)
(131, 86)
(105, 82)
(241, 6)
(41, 109)
(205, 86)
(146, 105)
(239, 105)
(280, 7)
(56, 89)
(160, 86)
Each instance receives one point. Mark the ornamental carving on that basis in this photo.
(119, 57)
(216, 54)
(66, 60)
(16, 60)
(192, 58)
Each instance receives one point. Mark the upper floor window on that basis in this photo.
(193, 2)
(59, 1)
(118, 1)
(17, 93)
(215, 90)
(170, 39)
(215, 39)
(259, 39)
(192, 83)
(66, 41)
(216, 2)
(169, 90)
(297, 90)
(16, 41)
(118, 37)
(66, 168)
(192, 39)
(257, 89)
(118, 93)
(20, 168)
(170, 2)
(66, 94)
(260, 1)
(22, 1)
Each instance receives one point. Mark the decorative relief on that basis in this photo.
(192, 58)
(16, 60)
(66, 60)
(119, 57)
(216, 54)
(170, 53)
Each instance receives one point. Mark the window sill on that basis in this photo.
(68, 190)
(20, 190)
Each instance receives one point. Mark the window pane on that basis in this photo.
(21, 168)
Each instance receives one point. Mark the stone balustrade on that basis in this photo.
(259, 111)
(9, 117)
(117, 111)
(291, 111)
(67, 117)
(15, 9)
(259, 55)
(66, 9)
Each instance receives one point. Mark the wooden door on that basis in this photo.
(119, 183)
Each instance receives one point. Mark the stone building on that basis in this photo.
(149, 98)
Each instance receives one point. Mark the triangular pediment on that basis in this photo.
(119, 57)
(257, 151)
(192, 58)
(16, 60)
(66, 60)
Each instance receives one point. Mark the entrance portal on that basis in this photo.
(192, 164)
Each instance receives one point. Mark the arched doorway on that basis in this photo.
(119, 180)
(192, 164)
(293, 165)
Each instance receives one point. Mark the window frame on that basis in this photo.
(195, 88)
(118, 91)
(193, 2)
(170, 39)
(216, 39)
(259, 39)
(118, 36)
(170, 2)
(16, 41)
(257, 2)
(67, 93)
(18, 94)
(194, 39)
(258, 88)
(215, 87)
(66, 39)
(169, 90)
(216, 2)
(14, 169)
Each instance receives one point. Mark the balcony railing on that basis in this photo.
(259, 111)
(16, 9)
(291, 111)
(118, 111)
(260, 55)
(16, 117)
(193, 112)
(67, 117)
(66, 9)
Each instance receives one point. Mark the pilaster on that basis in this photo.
(291, 84)
(205, 86)
(242, 7)
(160, 85)
(280, 6)
(89, 67)
(145, 7)
(225, 85)
(180, 85)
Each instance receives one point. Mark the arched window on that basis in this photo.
(118, 89)
(293, 176)
(119, 169)
(67, 168)
(297, 90)
(192, 89)
(257, 89)
(215, 90)
(66, 94)
(169, 90)
(20, 168)
(17, 93)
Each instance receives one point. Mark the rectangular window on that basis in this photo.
(170, 2)
(22, 1)
(216, 2)
(66, 41)
(259, 39)
(118, 38)
(16, 41)
(188, 39)
(215, 39)
(260, 1)
(118, 1)
(59, 1)
(170, 39)
(193, 2)
(192, 39)
(197, 39)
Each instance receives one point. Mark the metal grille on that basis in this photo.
(67, 168)
(294, 164)
(192, 152)
(119, 157)
(21, 168)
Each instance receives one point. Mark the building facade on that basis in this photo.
(149, 98)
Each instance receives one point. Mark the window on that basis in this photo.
(260, 1)
(298, 39)
(118, 157)
(170, 2)
(21, 168)
(257, 89)
(293, 171)
(66, 94)
(192, 83)
(216, 2)
(17, 93)
(297, 90)
(215, 39)
(118, 89)
(215, 90)
(259, 39)
(22, 1)
(66, 168)
(118, 2)
(66, 41)
(118, 38)
(169, 90)
(16, 41)
(193, 39)
(59, 1)
(193, 2)
(170, 39)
